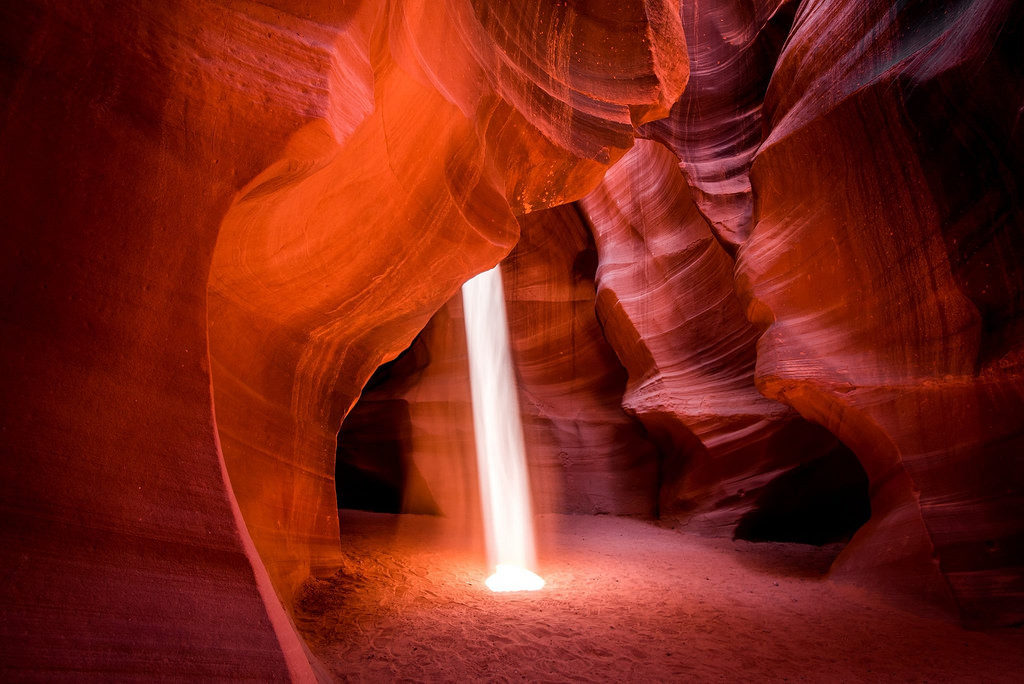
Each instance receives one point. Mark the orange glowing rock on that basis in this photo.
(586, 455)
(220, 218)
(331, 260)
(669, 307)
(269, 199)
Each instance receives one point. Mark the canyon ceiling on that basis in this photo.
(744, 237)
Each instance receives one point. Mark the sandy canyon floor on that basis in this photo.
(625, 601)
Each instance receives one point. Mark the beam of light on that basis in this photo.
(501, 458)
(514, 578)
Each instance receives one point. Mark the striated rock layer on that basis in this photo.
(717, 126)
(422, 412)
(353, 164)
(126, 131)
(585, 454)
(865, 271)
(666, 297)
(871, 192)
(467, 130)
(221, 217)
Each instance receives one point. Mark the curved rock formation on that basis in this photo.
(297, 325)
(221, 217)
(423, 412)
(717, 126)
(535, 80)
(585, 454)
(126, 131)
(871, 267)
(146, 122)
(666, 297)
(850, 264)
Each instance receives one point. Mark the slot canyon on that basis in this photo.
(762, 265)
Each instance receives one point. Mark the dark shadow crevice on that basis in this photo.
(820, 502)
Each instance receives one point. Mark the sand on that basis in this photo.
(625, 601)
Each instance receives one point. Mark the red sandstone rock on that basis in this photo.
(426, 197)
(273, 198)
(665, 295)
(127, 133)
(868, 261)
(536, 79)
(423, 411)
(716, 127)
(585, 454)
(866, 275)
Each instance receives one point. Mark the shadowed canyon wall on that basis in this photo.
(879, 260)
(463, 135)
(888, 343)
(136, 138)
(768, 306)
(585, 454)
(222, 216)
(670, 310)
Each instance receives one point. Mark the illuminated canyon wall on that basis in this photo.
(222, 217)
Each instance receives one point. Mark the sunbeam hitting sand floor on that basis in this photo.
(497, 427)
(625, 601)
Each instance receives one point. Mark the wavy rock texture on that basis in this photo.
(666, 297)
(585, 454)
(422, 413)
(273, 198)
(126, 132)
(425, 189)
(535, 79)
(889, 298)
(887, 279)
(716, 127)
(353, 169)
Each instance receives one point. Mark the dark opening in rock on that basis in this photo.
(373, 470)
(823, 501)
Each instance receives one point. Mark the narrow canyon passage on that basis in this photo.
(625, 601)
(762, 266)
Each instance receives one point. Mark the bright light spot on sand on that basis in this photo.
(501, 458)
(512, 578)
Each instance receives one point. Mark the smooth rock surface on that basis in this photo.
(220, 217)
(272, 199)
(466, 131)
(878, 326)
(584, 453)
(669, 309)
